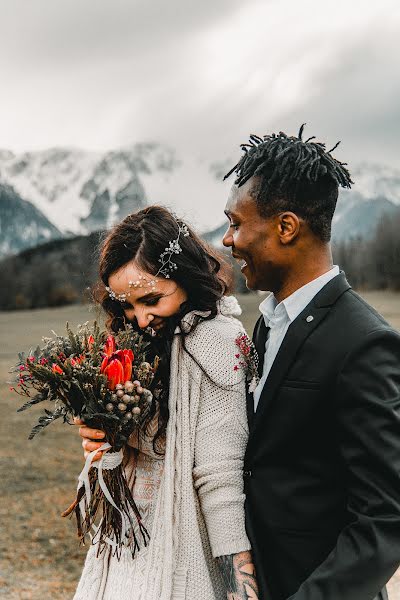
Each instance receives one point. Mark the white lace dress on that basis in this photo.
(106, 577)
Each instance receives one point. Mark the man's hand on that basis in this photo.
(239, 575)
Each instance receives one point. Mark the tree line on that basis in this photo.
(373, 263)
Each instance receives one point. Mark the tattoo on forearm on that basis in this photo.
(239, 576)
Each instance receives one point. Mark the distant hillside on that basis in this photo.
(53, 274)
(60, 272)
(215, 236)
(22, 225)
(356, 216)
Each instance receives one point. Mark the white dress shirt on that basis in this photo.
(279, 316)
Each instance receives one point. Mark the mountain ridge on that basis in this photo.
(77, 191)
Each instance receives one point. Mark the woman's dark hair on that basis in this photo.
(203, 274)
(295, 175)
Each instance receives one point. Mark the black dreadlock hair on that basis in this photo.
(295, 175)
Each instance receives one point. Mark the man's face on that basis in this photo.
(253, 240)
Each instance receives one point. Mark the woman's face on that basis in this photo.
(149, 304)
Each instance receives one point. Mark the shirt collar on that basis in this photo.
(294, 304)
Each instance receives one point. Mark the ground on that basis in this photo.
(39, 555)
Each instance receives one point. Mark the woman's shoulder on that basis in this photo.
(213, 344)
(223, 328)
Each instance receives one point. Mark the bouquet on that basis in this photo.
(104, 380)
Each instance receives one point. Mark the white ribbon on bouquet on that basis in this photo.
(107, 461)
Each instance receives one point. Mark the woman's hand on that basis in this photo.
(89, 436)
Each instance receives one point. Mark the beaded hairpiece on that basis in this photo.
(167, 267)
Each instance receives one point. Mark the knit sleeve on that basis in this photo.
(220, 443)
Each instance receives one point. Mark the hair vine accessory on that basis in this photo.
(167, 267)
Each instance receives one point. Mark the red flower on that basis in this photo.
(57, 369)
(109, 346)
(126, 357)
(113, 370)
(90, 342)
(75, 362)
(117, 367)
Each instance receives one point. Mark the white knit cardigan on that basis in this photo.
(200, 512)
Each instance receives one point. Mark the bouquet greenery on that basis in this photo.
(104, 380)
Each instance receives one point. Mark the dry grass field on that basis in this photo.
(39, 555)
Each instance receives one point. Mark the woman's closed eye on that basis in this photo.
(152, 301)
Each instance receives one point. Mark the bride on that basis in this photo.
(185, 471)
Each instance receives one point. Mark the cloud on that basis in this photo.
(101, 74)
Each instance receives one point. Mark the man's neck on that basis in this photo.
(299, 279)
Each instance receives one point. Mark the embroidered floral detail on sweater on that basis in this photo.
(248, 360)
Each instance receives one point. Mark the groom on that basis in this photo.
(322, 468)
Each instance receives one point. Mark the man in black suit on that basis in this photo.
(322, 467)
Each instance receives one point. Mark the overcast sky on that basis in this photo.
(200, 76)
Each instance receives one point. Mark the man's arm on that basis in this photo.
(367, 414)
(239, 576)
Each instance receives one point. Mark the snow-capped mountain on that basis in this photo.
(72, 191)
(21, 224)
(376, 192)
(80, 191)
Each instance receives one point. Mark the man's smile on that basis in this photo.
(242, 262)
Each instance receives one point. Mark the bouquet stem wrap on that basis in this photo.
(102, 488)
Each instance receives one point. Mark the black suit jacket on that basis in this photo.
(322, 467)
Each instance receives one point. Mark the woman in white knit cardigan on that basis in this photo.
(185, 472)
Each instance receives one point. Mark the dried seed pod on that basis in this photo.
(147, 395)
(129, 386)
(136, 410)
(120, 393)
(128, 416)
(122, 407)
(119, 386)
(109, 407)
(114, 397)
(136, 383)
(126, 398)
(139, 389)
(136, 399)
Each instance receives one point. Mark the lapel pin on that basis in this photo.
(309, 318)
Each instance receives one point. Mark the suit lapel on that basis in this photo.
(259, 338)
(299, 330)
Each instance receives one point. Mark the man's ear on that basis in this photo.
(288, 227)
